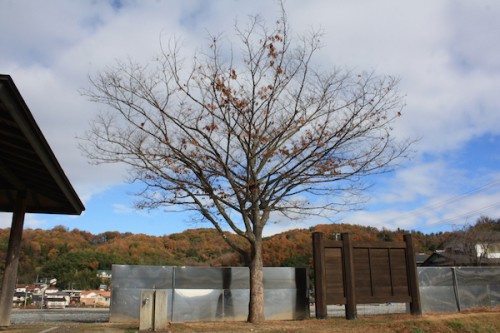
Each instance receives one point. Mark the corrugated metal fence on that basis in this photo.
(452, 289)
(207, 293)
(203, 293)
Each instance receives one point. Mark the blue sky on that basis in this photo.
(444, 52)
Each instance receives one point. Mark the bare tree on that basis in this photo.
(246, 135)
(473, 245)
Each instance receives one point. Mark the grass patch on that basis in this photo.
(417, 330)
(131, 330)
(455, 325)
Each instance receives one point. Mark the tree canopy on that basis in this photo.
(74, 256)
(245, 135)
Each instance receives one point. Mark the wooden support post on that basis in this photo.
(12, 260)
(319, 276)
(349, 278)
(415, 305)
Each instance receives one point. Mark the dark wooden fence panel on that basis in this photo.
(335, 276)
(399, 273)
(363, 278)
(360, 273)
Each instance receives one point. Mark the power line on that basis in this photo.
(434, 206)
(463, 195)
(472, 212)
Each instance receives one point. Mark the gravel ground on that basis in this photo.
(95, 315)
(89, 320)
(76, 315)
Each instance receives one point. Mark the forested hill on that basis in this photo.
(74, 256)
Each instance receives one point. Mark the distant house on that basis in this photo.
(103, 298)
(20, 289)
(104, 274)
(36, 288)
(489, 251)
(20, 298)
(56, 301)
(36, 299)
(88, 298)
(458, 252)
(420, 258)
(440, 259)
(95, 298)
(74, 296)
(51, 290)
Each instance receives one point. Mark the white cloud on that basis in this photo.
(421, 180)
(447, 103)
(431, 196)
(445, 53)
(277, 225)
(123, 209)
(33, 221)
(5, 220)
(30, 221)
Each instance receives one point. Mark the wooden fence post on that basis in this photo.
(415, 305)
(349, 278)
(319, 276)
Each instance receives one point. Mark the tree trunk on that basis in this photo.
(256, 305)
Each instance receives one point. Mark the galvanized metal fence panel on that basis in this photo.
(478, 286)
(204, 293)
(127, 284)
(437, 293)
(209, 294)
(452, 289)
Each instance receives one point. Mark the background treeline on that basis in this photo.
(74, 256)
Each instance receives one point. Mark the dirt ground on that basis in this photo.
(479, 321)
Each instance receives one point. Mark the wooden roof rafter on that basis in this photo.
(27, 162)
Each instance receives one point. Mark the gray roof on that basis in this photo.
(26, 161)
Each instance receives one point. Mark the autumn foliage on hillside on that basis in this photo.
(74, 256)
